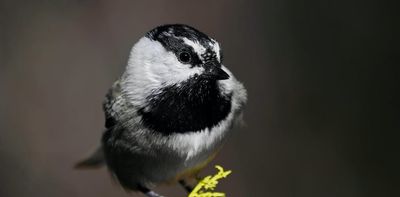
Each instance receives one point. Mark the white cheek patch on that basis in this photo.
(149, 58)
(173, 71)
(151, 66)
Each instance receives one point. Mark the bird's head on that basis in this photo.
(171, 54)
(177, 71)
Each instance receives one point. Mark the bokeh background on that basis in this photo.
(322, 115)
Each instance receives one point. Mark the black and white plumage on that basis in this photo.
(171, 110)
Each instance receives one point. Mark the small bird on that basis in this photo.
(170, 112)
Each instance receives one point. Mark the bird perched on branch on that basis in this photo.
(170, 112)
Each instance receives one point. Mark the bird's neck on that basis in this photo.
(191, 106)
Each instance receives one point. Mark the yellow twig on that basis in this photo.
(206, 186)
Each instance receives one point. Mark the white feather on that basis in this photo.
(150, 67)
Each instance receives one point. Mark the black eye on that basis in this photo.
(185, 57)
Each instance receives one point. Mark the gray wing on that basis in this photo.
(111, 105)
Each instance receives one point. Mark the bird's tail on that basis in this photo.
(95, 160)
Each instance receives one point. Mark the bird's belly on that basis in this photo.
(193, 171)
(184, 162)
(181, 156)
(177, 166)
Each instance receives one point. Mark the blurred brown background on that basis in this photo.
(321, 118)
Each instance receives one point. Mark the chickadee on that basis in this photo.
(170, 112)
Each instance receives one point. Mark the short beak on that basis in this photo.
(215, 71)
